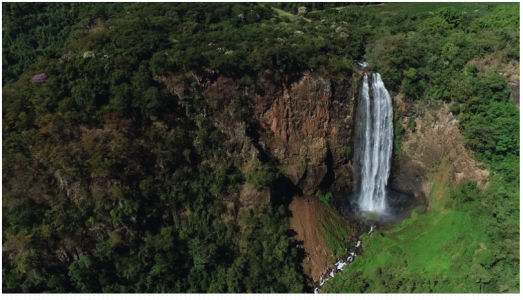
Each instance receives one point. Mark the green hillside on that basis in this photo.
(117, 178)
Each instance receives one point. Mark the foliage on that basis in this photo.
(398, 133)
(503, 17)
(325, 199)
(336, 239)
(454, 108)
(114, 183)
(436, 25)
(412, 124)
(264, 176)
(123, 180)
(185, 38)
(450, 15)
(346, 151)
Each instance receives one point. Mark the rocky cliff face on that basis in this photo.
(305, 122)
(435, 138)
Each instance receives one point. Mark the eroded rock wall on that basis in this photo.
(436, 137)
(304, 121)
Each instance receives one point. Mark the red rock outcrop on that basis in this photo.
(304, 121)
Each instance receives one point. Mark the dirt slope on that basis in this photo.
(313, 224)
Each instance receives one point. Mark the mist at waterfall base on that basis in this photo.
(373, 152)
(373, 202)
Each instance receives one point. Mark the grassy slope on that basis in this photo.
(427, 8)
(325, 234)
(281, 13)
(422, 240)
(337, 236)
(335, 229)
(441, 243)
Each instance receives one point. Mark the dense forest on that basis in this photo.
(113, 183)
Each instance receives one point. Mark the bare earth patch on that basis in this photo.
(308, 216)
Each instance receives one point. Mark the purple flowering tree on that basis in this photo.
(67, 56)
(40, 78)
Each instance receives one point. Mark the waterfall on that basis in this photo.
(373, 145)
(372, 156)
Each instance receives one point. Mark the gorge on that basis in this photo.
(373, 157)
(247, 148)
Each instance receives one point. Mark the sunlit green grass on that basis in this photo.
(443, 242)
(426, 8)
(430, 244)
(337, 237)
(281, 13)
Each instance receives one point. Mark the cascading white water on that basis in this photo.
(373, 150)
(374, 145)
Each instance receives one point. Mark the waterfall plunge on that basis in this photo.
(374, 145)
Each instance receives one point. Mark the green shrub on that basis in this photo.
(262, 176)
(412, 124)
(455, 108)
(450, 15)
(325, 199)
(503, 17)
(398, 136)
(346, 152)
(434, 25)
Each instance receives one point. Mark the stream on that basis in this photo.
(373, 157)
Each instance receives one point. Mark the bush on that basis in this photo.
(398, 136)
(412, 124)
(325, 199)
(455, 108)
(450, 15)
(503, 17)
(346, 152)
(263, 176)
(435, 25)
